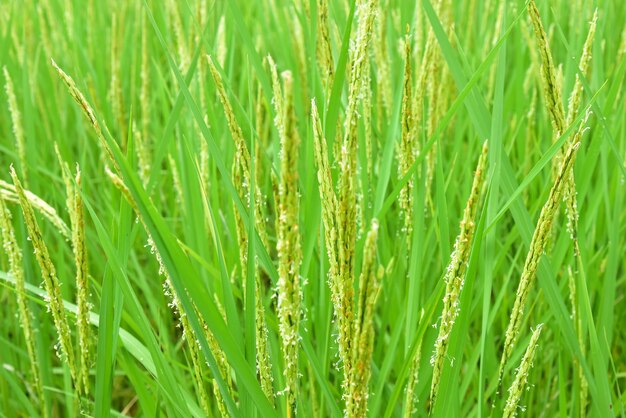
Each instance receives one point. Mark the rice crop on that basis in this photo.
(315, 208)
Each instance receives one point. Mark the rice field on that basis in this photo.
(312, 208)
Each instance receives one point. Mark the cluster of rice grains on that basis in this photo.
(341, 120)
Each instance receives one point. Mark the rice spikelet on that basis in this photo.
(363, 332)
(173, 15)
(168, 289)
(521, 376)
(16, 120)
(9, 194)
(220, 40)
(115, 89)
(222, 365)
(410, 399)
(369, 137)
(79, 248)
(347, 196)
(243, 154)
(14, 254)
(551, 89)
(143, 157)
(242, 182)
(537, 248)
(578, 326)
(583, 66)
(144, 92)
(455, 274)
(573, 106)
(329, 213)
(142, 136)
(408, 151)
(87, 111)
(381, 56)
(233, 125)
(300, 50)
(50, 279)
(82, 284)
(288, 246)
(324, 47)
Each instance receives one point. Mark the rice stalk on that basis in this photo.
(531, 135)
(578, 326)
(339, 211)
(263, 360)
(242, 182)
(144, 75)
(410, 398)
(299, 48)
(14, 254)
(497, 32)
(9, 194)
(435, 79)
(115, 88)
(551, 89)
(204, 167)
(324, 47)
(622, 46)
(16, 120)
(142, 136)
(222, 364)
(243, 154)
(423, 79)
(88, 112)
(534, 70)
(368, 134)
(174, 18)
(53, 32)
(470, 19)
(455, 274)
(82, 284)
(583, 65)
(381, 56)
(574, 104)
(233, 126)
(347, 197)
(537, 248)
(43, 29)
(52, 285)
(419, 32)
(262, 125)
(329, 213)
(434, 82)
(363, 328)
(168, 289)
(77, 220)
(220, 40)
(330, 206)
(521, 376)
(288, 246)
(408, 149)
(143, 156)
(277, 98)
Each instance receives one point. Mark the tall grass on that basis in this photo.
(312, 208)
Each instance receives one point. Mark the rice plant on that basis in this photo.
(315, 208)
